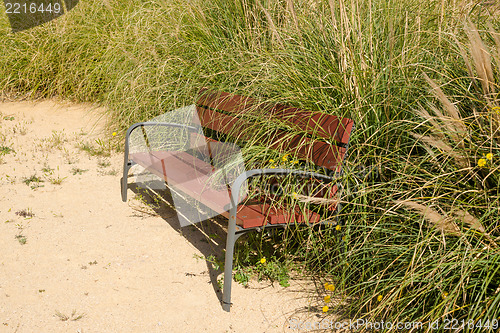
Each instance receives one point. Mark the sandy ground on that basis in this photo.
(75, 258)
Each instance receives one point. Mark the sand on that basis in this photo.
(75, 258)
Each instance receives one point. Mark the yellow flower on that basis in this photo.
(496, 109)
(489, 156)
(295, 195)
(114, 134)
(445, 294)
(326, 284)
(330, 287)
(338, 227)
(285, 158)
(343, 238)
(379, 298)
(481, 163)
(325, 308)
(271, 160)
(295, 162)
(262, 260)
(327, 299)
(273, 167)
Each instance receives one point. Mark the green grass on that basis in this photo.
(4, 150)
(421, 222)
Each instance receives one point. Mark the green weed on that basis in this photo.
(21, 239)
(33, 181)
(79, 171)
(4, 150)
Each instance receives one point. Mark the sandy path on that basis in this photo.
(90, 262)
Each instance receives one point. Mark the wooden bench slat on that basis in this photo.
(281, 216)
(192, 179)
(230, 125)
(312, 122)
(321, 153)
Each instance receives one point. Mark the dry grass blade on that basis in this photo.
(424, 114)
(496, 37)
(448, 106)
(443, 147)
(481, 58)
(455, 128)
(464, 55)
(332, 13)
(316, 200)
(274, 31)
(442, 223)
(291, 8)
(474, 223)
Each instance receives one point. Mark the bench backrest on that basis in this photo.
(321, 138)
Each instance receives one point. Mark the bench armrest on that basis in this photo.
(126, 163)
(152, 123)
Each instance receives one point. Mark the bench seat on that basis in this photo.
(191, 175)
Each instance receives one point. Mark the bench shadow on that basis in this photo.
(208, 237)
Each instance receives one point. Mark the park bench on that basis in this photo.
(315, 137)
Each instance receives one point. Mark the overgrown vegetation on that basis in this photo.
(421, 81)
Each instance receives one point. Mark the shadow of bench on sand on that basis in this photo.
(208, 237)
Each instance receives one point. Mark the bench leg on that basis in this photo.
(228, 266)
(124, 180)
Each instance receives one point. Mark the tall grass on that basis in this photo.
(419, 79)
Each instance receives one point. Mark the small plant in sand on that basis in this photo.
(103, 163)
(69, 157)
(4, 150)
(48, 171)
(33, 181)
(58, 139)
(79, 171)
(21, 239)
(20, 128)
(73, 317)
(101, 148)
(26, 213)
(56, 180)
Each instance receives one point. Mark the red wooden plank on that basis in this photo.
(312, 122)
(321, 153)
(249, 218)
(283, 216)
(187, 174)
(233, 126)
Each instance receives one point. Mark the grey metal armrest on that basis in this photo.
(126, 163)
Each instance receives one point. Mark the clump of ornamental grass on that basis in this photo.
(433, 253)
